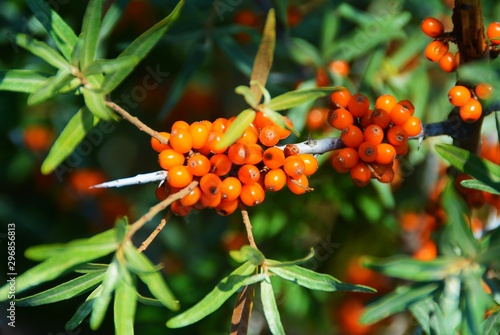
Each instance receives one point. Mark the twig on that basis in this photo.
(248, 226)
(136, 180)
(155, 232)
(136, 122)
(158, 208)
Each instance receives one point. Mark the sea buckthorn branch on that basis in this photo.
(155, 232)
(248, 226)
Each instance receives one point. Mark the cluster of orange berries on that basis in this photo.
(438, 49)
(241, 172)
(467, 100)
(373, 139)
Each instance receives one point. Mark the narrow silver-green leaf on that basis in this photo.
(298, 97)
(101, 302)
(396, 302)
(213, 300)
(476, 300)
(74, 132)
(64, 37)
(313, 280)
(491, 326)
(64, 291)
(270, 308)
(278, 120)
(430, 317)
(125, 304)
(296, 261)
(247, 95)
(26, 81)
(51, 87)
(90, 31)
(141, 46)
(479, 185)
(91, 268)
(83, 311)
(112, 16)
(247, 253)
(96, 103)
(305, 53)
(148, 301)
(237, 128)
(110, 65)
(151, 277)
(42, 50)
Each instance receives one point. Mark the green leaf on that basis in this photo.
(430, 317)
(42, 50)
(213, 300)
(475, 300)
(247, 253)
(141, 46)
(26, 81)
(112, 16)
(329, 29)
(264, 58)
(74, 132)
(64, 37)
(478, 185)
(91, 268)
(64, 291)
(84, 310)
(497, 122)
(298, 97)
(413, 269)
(96, 103)
(305, 53)
(51, 87)
(148, 301)
(313, 280)
(151, 277)
(270, 308)
(396, 302)
(247, 95)
(491, 326)
(297, 261)
(237, 128)
(125, 304)
(90, 32)
(101, 302)
(110, 65)
(469, 163)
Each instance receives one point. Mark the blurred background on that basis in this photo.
(371, 47)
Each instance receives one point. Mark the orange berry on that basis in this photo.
(179, 125)
(220, 164)
(199, 134)
(385, 153)
(316, 118)
(210, 184)
(285, 132)
(401, 112)
(339, 67)
(432, 27)
(181, 140)
(293, 16)
(436, 50)
(352, 136)
(311, 163)
(448, 62)
(179, 176)
(208, 201)
(227, 207)
(198, 165)
(230, 188)
(219, 125)
(386, 102)
(365, 121)
(381, 118)
(348, 157)
(261, 120)
(483, 91)
(294, 166)
(299, 185)
(360, 174)
(268, 135)
(426, 252)
(250, 136)
(238, 153)
(161, 193)
(252, 194)
(413, 126)
(159, 147)
(471, 111)
(340, 118)
(192, 197)
(373, 133)
(340, 98)
(246, 17)
(275, 180)
(213, 142)
(179, 209)
(402, 149)
(367, 151)
(493, 33)
(387, 177)
(254, 154)
(397, 135)
(337, 164)
(358, 105)
(169, 158)
(322, 77)
(459, 95)
(273, 157)
(248, 174)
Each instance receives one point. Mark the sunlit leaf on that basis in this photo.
(313, 280)
(26, 81)
(84, 310)
(478, 185)
(213, 300)
(491, 326)
(237, 128)
(64, 291)
(42, 50)
(125, 304)
(74, 132)
(91, 268)
(51, 87)
(101, 302)
(270, 308)
(110, 65)
(247, 253)
(475, 300)
(96, 103)
(90, 31)
(141, 46)
(305, 53)
(264, 58)
(430, 317)
(396, 302)
(151, 277)
(296, 98)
